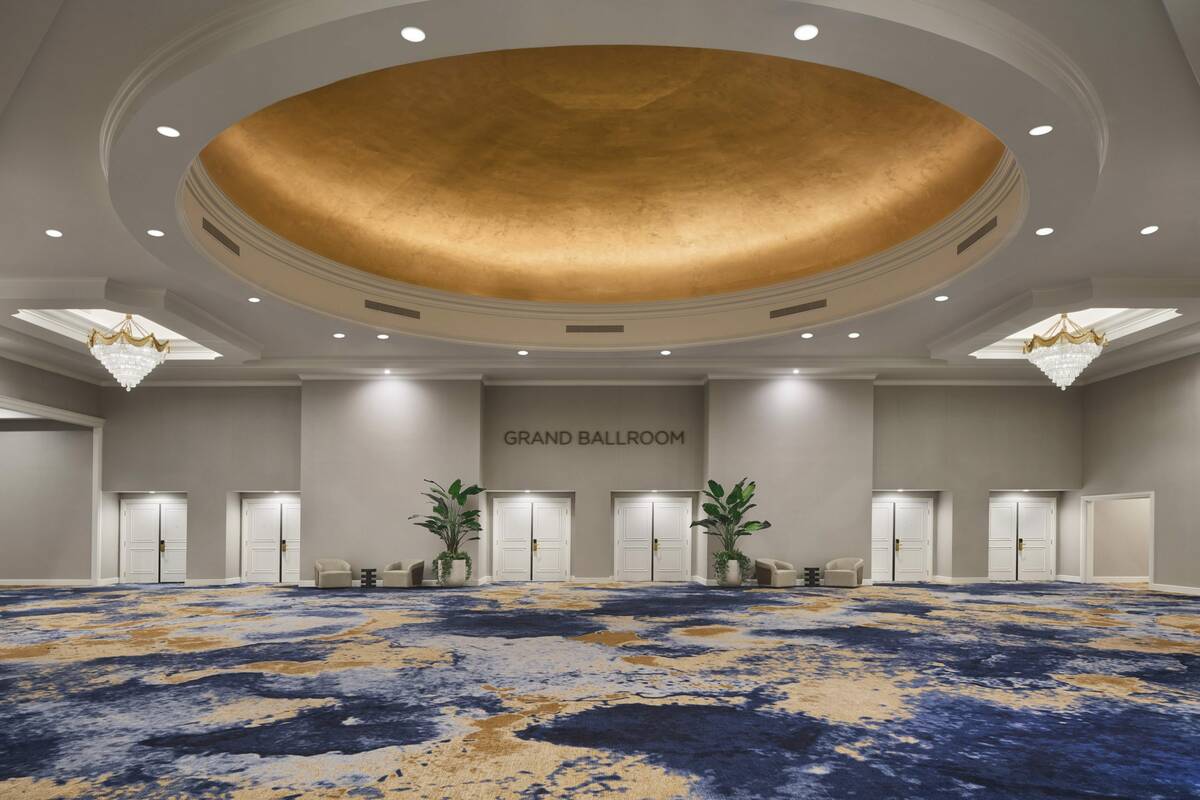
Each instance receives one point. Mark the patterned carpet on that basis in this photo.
(987, 691)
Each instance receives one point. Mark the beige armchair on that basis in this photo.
(844, 572)
(332, 573)
(397, 574)
(771, 572)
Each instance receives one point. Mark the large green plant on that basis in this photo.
(451, 521)
(726, 520)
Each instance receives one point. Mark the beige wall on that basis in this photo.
(972, 440)
(366, 448)
(205, 442)
(1121, 538)
(46, 504)
(1142, 433)
(48, 388)
(592, 471)
(808, 445)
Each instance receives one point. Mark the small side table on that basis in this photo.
(366, 577)
(812, 576)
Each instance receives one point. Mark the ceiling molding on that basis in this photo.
(50, 412)
(595, 382)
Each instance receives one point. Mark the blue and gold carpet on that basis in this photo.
(988, 691)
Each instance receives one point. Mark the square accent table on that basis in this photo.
(812, 576)
(366, 577)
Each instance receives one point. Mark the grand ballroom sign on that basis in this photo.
(598, 437)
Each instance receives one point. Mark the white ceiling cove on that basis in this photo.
(83, 85)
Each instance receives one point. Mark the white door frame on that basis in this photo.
(526, 497)
(649, 498)
(927, 502)
(1087, 560)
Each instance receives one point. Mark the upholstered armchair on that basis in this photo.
(771, 572)
(844, 572)
(332, 573)
(400, 575)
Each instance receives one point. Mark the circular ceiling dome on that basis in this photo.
(602, 174)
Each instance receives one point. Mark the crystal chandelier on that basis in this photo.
(128, 351)
(1064, 351)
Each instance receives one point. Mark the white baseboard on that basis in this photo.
(1167, 587)
(212, 581)
(605, 579)
(1120, 579)
(868, 582)
(46, 582)
(1068, 578)
(952, 581)
(700, 579)
(310, 584)
(106, 581)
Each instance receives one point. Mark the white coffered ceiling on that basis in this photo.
(80, 83)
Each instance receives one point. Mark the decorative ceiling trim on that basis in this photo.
(50, 412)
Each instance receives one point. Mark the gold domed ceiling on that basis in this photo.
(602, 174)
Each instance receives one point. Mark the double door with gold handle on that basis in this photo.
(652, 538)
(531, 538)
(153, 540)
(901, 539)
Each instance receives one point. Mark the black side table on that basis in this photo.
(812, 576)
(366, 577)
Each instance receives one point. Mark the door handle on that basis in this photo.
(283, 546)
(535, 545)
(162, 546)
(1020, 545)
(897, 545)
(656, 544)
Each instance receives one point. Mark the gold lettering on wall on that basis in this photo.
(598, 437)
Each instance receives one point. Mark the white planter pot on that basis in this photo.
(457, 576)
(732, 576)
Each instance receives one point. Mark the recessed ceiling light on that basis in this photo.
(806, 33)
(664, 352)
(1146, 231)
(941, 298)
(1043, 231)
(167, 131)
(339, 335)
(54, 233)
(795, 372)
(387, 372)
(383, 337)
(853, 334)
(1040, 130)
(253, 299)
(155, 232)
(412, 34)
(806, 335)
(522, 352)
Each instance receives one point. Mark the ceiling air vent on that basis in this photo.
(595, 329)
(220, 236)
(375, 305)
(787, 312)
(983, 231)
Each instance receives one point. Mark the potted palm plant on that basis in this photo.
(725, 520)
(453, 523)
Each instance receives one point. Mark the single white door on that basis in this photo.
(672, 518)
(290, 544)
(882, 540)
(513, 550)
(1035, 540)
(634, 538)
(173, 533)
(551, 539)
(139, 536)
(1002, 540)
(913, 535)
(261, 528)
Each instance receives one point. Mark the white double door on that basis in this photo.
(652, 539)
(270, 540)
(531, 538)
(901, 540)
(153, 541)
(1021, 539)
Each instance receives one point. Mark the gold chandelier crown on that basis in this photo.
(130, 332)
(1065, 331)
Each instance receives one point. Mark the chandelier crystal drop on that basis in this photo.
(1064, 351)
(128, 351)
